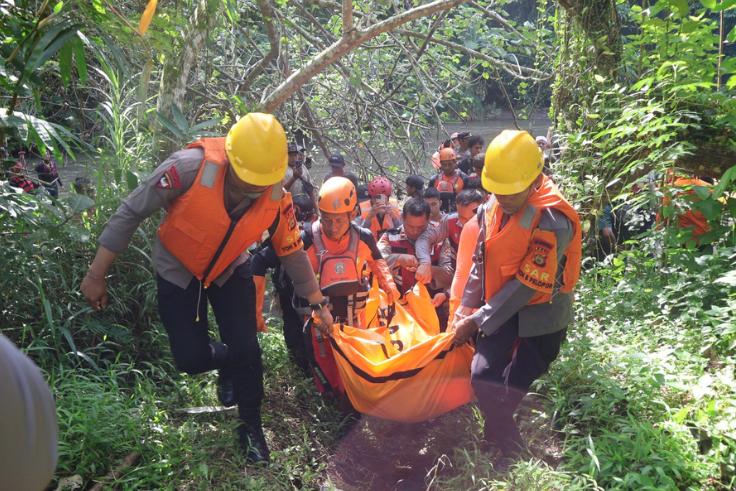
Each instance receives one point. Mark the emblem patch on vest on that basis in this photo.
(209, 175)
(169, 180)
(340, 268)
(539, 267)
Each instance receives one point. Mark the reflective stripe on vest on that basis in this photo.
(337, 273)
(504, 250)
(197, 229)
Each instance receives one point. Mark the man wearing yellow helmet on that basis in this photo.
(527, 264)
(220, 196)
(338, 250)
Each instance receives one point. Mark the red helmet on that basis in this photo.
(379, 185)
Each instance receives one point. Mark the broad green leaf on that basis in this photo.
(58, 7)
(49, 45)
(731, 37)
(681, 5)
(169, 125)
(65, 62)
(711, 208)
(147, 17)
(206, 124)
(79, 58)
(703, 192)
(709, 4)
(99, 6)
(79, 203)
(724, 5)
(143, 88)
(179, 119)
(132, 180)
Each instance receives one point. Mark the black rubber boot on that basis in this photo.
(253, 443)
(225, 391)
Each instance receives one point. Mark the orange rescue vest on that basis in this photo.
(505, 250)
(337, 273)
(198, 231)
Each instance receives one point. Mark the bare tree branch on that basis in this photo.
(347, 16)
(273, 41)
(349, 41)
(515, 70)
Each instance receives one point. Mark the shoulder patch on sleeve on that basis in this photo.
(538, 269)
(169, 180)
(209, 175)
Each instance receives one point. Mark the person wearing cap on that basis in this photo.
(297, 179)
(303, 156)
(474, 177)
(414, 186)
(337, 163)
(463, 147)
(220, 196)
(475, 145)
(449, 181)
(527, 264)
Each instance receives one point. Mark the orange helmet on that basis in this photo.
(447, 154)
(337, 195)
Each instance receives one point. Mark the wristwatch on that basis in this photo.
(319, 305)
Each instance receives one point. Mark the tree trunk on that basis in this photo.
(177, 67)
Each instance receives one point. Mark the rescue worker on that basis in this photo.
(18, 179)
(297, 179)
(475, 146)
(528, 262)
(450, 181)
(29, 447)
(414, 186)
(338, 251)
(398, 248)
(474, 181)
(382, 214)
(687, 218)
(450, 227)
(337, 164)
(220, 196)
(432, 197)
(462, 144)
(49, 176)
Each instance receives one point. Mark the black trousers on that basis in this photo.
(293, 327)
(493, 354)
(235, 311)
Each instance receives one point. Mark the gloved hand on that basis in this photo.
(260, 282)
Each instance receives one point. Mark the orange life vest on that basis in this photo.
(337, 272)
(198, 231)
(378, 227)
(505, 250)
(691, 218)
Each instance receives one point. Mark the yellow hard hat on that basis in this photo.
(337, 195)
(256, 148)
(513, 161)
